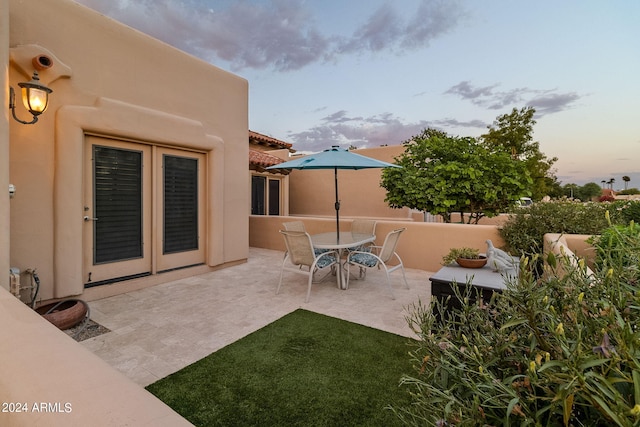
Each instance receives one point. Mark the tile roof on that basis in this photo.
(259, 160)
(260, 139)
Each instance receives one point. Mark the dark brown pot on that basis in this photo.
(66, 315)
(472, 263)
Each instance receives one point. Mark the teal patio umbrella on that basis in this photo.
(334, 158)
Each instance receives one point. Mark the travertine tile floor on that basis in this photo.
(159, 330)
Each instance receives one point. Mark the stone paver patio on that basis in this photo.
(159, 330)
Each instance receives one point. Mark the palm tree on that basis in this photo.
(626, 180)
(603, 183)
(610, 182)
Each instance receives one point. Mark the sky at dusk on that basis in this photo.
(373, 72)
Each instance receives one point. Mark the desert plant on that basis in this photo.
(524, 231)
(625, 211)
(455, 253)
(558, 351)
(612, 250)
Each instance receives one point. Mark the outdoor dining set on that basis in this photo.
(339, 253)
(309, 253)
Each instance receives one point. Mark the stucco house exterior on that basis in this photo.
(136, 172)
(269, 188)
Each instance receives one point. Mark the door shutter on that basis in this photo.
(117, 204)
(180, 204)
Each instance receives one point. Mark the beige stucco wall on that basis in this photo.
(4, 144)
(312, 192)
(421, 246)
(41, 364)
(111, 80)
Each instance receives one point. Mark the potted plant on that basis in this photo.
(465, 257)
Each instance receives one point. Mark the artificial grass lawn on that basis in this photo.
(304, 369)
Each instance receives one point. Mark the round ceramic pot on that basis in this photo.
(66, 315)
(472, 263)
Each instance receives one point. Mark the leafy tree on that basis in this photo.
(571, 191)
(585, 193)
(442, 174)
(589, 191)
(513, 133)
(554, 189)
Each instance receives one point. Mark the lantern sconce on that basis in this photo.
(35, 96)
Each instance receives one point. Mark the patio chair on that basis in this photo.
(299, 226)
(294, 226)
(300, 254)
(363, 226)
(379, 257)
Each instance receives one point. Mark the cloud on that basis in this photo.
(341, 129)
(455, 123)
(432, 19)
(380, 32)
(544, 101)
(276, 34)
(340, 117)
(553, 102)
(466, 91)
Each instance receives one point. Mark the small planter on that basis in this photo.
(64, 314)
(472, 263)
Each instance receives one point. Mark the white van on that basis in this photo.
(524, 202)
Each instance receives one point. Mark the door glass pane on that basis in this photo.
(258, 188)
(117, 204)
(274, 197)
(180, 204)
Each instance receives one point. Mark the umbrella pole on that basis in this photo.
(337, 206)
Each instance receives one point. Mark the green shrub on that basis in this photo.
(455, 253)
(558, 351)
(625, 211)
(613, 250)
(523, 232)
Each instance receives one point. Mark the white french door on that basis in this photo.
(144, 210)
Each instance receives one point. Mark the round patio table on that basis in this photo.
(347, 240)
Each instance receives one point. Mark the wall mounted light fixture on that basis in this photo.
(35, 97)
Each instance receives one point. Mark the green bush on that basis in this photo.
(628, 191)
(625, 211)
(558, 351)
(523, 232)
(455, 253)
(613, 249)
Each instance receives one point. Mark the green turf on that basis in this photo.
(304, 369)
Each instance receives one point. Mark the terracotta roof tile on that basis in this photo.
(258, 138)
(259, 160)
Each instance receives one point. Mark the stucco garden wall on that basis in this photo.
(421, 246)
(115, 82)
(4, 144)
(62, 383)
